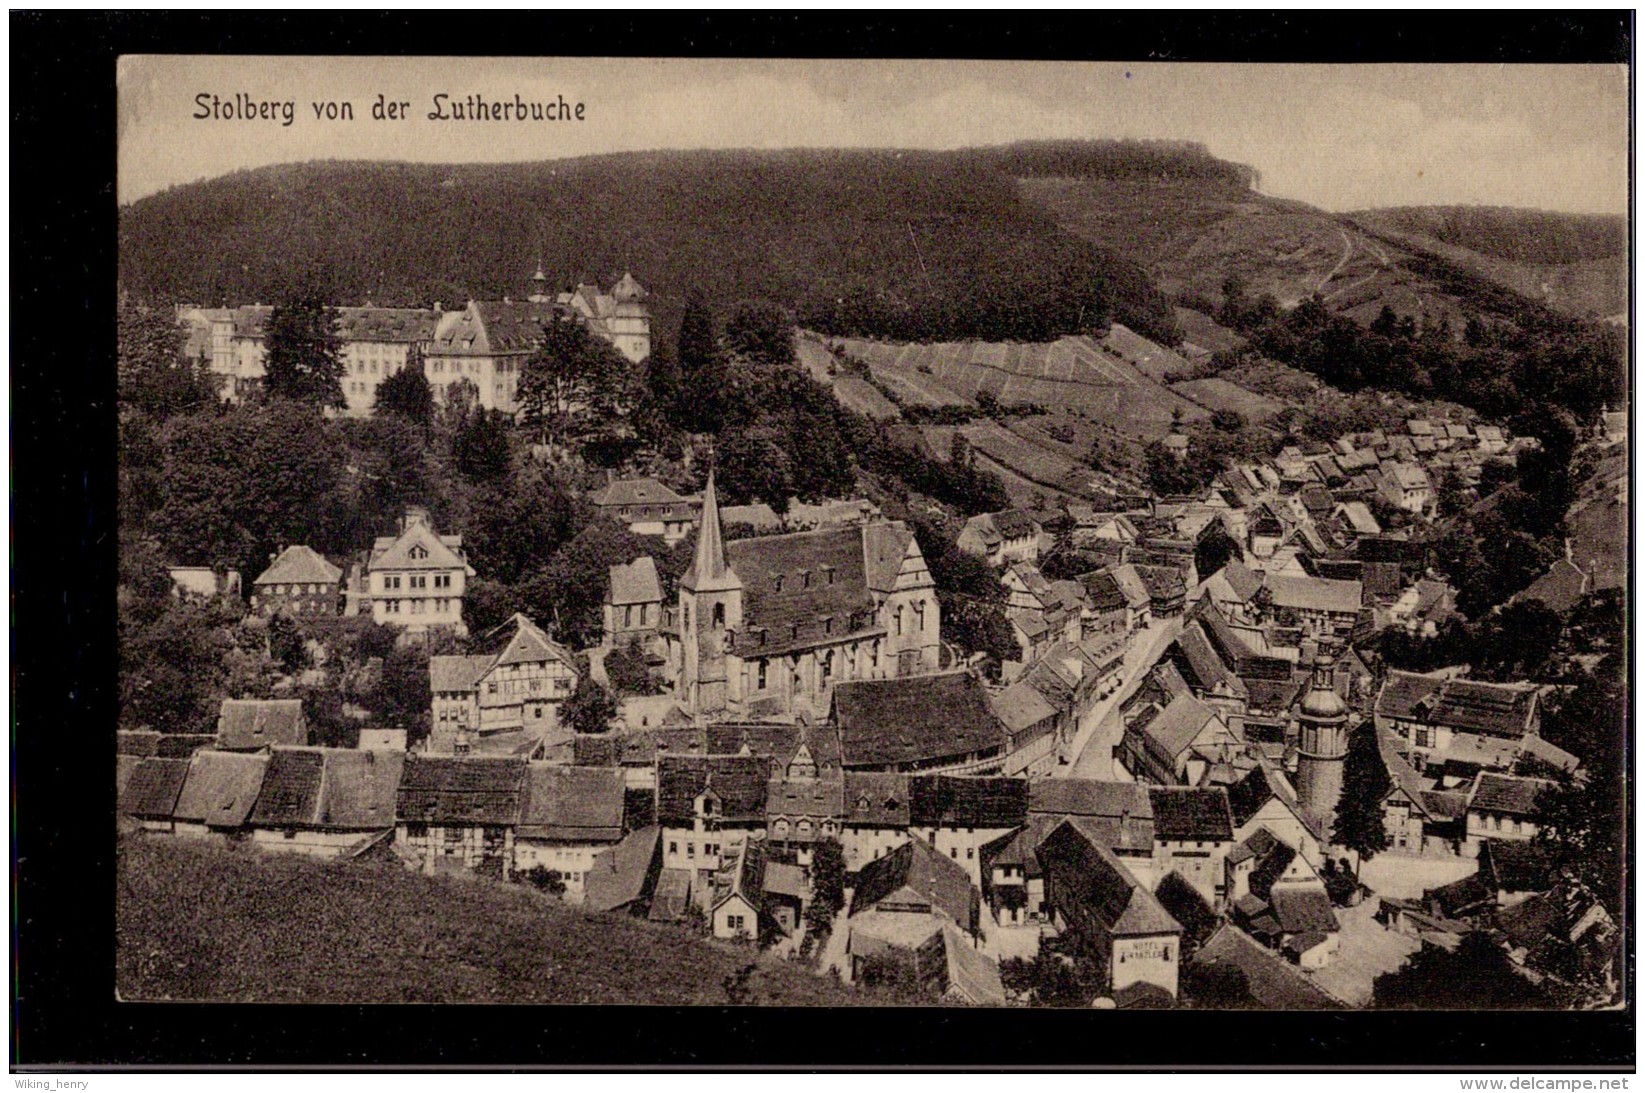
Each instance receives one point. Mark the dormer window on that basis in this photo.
(418, 553)
(862, 804)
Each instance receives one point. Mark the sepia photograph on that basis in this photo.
(901, 533)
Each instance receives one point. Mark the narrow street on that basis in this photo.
(1100, 730)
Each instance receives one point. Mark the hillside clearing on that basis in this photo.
(205, 923)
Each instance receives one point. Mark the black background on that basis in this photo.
(63, 637)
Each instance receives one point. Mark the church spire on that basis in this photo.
(709, 571)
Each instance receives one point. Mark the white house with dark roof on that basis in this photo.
(1503, 806)
(416, 579)
(298, 581)
(568, 815)
(1405, 486)
(1439, 720)
(1000, 538)
(647, 507)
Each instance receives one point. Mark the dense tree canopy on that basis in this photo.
(302, 361)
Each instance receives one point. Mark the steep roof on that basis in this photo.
(636, 582)
(290, 795)
(618, 876)
(532, 645)
(461, 790)
(1271, 982)
(1493, 709)
(972, 974)
(153, 788)
(1507, 794)
(358, 788)
(917, 872)
(1198, 815)
(1174, 728)
(221, 787)
(1089, 797)
(386, 324)
(884, 722)
(1102, 591)
(418, 547)
(1302, 908)
(1020, 706)
(636, 491)
(738, 781)
(1315, 593)
(299, 565)
(791, 583)
(875, 799)
(571, 804)
(456, 673)
(246, 723)
(803, 797)
(1088, 872)
(1131, 584)
(942, 800)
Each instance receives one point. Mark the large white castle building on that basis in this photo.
(485, 343)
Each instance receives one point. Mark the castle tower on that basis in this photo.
(539, 287)
(1322, 746)
(711, 609)
(630, 320)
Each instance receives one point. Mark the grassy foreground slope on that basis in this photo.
(202, 922)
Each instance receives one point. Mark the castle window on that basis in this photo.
(779, 582)
(805, 578)
(828, 626)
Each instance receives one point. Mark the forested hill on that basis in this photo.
(910, 245)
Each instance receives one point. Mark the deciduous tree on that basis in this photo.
(302, 361)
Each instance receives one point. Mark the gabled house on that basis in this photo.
(915, 884)
(1174, 743)
(647, 507)
(459, 813)
(874, 816)
(1264, 799)
(1503, 807)
(1438, 720)
(151, 792)
(568, 816)
(1193, 832)
(416, 579)
(707, 807)
(325, 802)
(1000, 538)
(1112, 916)
(633, 604)
(297, 582)
(957, 816)
(516, 690)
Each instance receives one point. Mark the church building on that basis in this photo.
(767, 626)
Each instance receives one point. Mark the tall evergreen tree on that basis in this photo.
(1365, 782)
(302, 361)
(406, 393)
(702, 367)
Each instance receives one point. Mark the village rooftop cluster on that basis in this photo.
(1153, 785)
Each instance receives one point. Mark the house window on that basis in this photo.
(628, 616)
(719, 614)
(734, 921)
(779, 582)
(673, 848)
(691, 850)
(417, 831)
(760, 674)
(419, 582)
(805, 578)
(970, 853)
(442, 580)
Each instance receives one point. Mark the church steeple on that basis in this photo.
(1322, 745)
(709, 571)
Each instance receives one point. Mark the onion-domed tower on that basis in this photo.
(1322, 746)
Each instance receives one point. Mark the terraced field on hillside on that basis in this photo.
(1115, 379)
